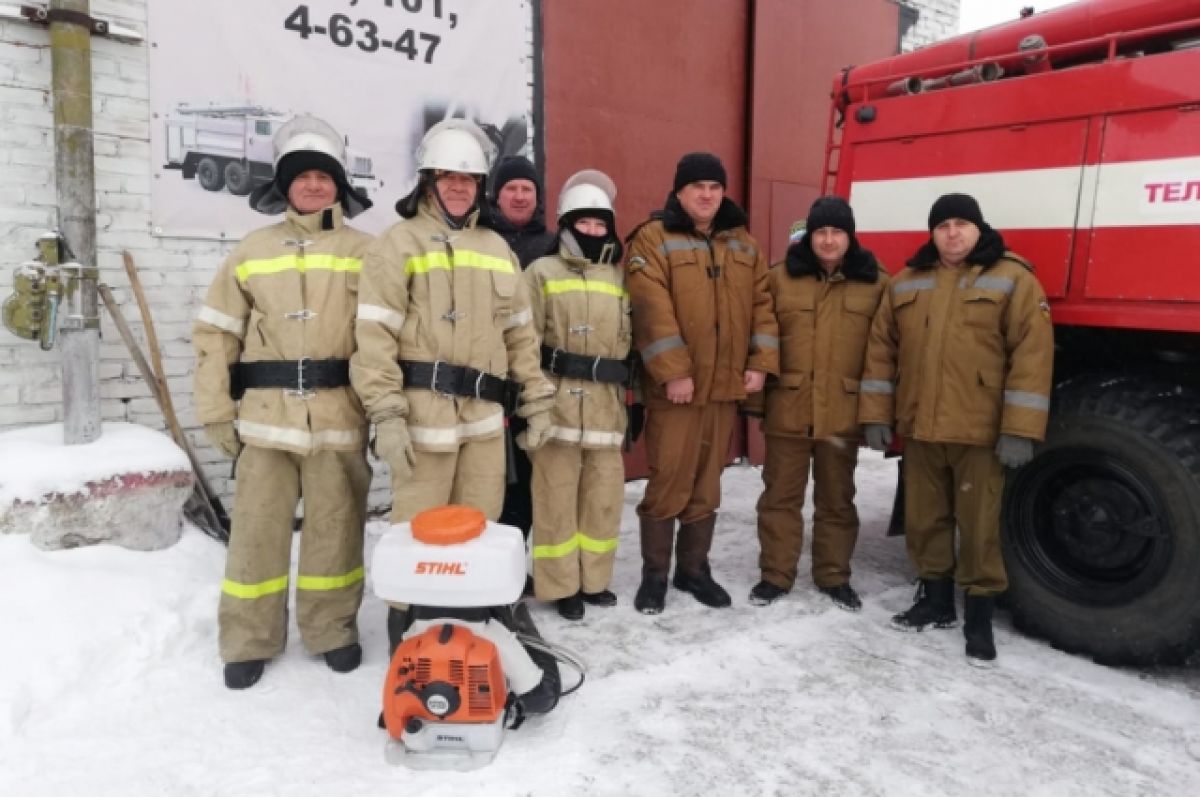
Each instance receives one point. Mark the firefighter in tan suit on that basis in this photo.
(272, 387)
(581, 309)
(446, 341)
(826, 293)
(959, 363)
(707, 337)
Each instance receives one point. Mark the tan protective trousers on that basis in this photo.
(578, 495)
(252, 616)
(788, 463)
(686, 448)
(473, 476)
(946, 485)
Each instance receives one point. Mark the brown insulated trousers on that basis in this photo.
(252, 616)
(578, 495)
(947, 484)
(789, 461)
(686, 447)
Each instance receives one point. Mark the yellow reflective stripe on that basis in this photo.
(553, 287)
(251, 591)
(326, 583)
(577, 540)
(312, 262)
(593, 545)
(463, 258)
(556, 551)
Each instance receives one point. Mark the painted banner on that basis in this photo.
(225, 74)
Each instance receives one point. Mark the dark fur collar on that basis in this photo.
(859, 264)
(989, 249)
(676, 219)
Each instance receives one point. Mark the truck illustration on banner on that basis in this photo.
(229, 147)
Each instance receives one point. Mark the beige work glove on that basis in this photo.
(537, 433)
(537, 414)
(223, 437)
(393, 446)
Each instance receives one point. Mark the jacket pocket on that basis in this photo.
(860, 304)
(788, 405)
(982, 309)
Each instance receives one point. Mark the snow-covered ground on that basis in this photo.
(110, 685)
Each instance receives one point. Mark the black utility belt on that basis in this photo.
(581, 366)
(461, 380)
(301, 376)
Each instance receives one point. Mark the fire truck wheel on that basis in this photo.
(208, 173)
(237, 178)
(1102, 529)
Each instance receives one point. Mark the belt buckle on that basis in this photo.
(300, 391)
(553, 359)
(433, 382)
(478, 384)
(595, 366)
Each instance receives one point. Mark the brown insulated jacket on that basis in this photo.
(583, 308)
(961, 355)
(288, 291)
(433, 293)
(824, 322)
(701, 305)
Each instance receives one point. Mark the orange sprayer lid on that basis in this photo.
(448, 525)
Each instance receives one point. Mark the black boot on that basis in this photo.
(702, 587)
(692, 573)
(934, 606)
(344, 659)
(652, 594)
(981, 649)
(657, 537)
(571, 607)
(243, 674)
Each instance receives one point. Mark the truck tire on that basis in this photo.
(1102, 529)
(209, 174)
(238, 179)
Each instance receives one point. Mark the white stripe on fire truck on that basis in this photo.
(1132, 194)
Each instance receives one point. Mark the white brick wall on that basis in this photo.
(938, 20)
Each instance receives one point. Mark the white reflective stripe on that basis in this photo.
(662, 345)
(1023, 398)
(442, 436)
(298, 438)
(1002, 284)
(876, 386)
(519, 319)
(678, 244)
(908, 286)
(1148, 193)
(216, 318)
(770, 341)
(586, 437)
(384, 315)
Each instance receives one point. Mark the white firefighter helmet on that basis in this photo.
(456, 145)
(588, 190)
(305, 137)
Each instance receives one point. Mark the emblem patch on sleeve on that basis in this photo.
(1044, 306)
(636, 263)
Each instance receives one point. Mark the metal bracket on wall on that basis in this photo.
(41, 15)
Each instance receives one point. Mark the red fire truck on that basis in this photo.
(1078, 130)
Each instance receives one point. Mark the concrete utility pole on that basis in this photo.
(74, 169)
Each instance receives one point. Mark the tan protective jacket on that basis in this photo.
(961, 355)
(823, 324)
(583, 308)
(701, 306)
(433, 293)
(288, 291)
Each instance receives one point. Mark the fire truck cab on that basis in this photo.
(1078, 130)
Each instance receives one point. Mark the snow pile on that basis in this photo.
(110, 685)
(127, 487)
